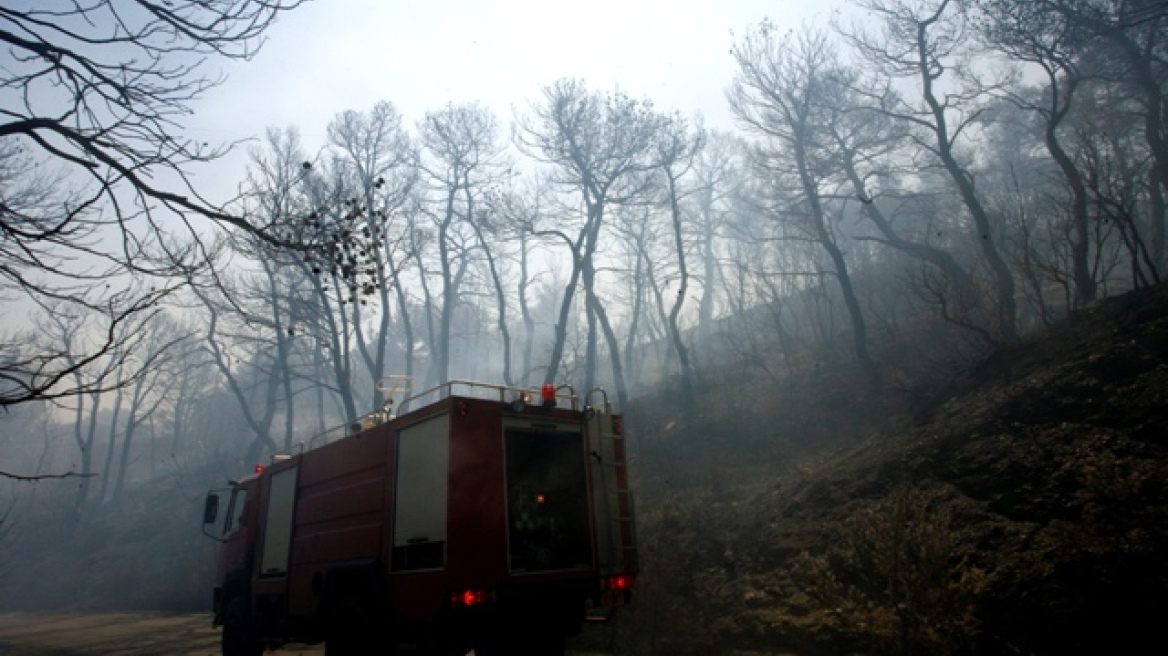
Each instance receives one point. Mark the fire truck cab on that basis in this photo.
(482, 517)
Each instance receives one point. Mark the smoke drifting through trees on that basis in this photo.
(952, 161)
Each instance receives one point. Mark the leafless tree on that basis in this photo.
(677, 149)
(718, 174)
(927, 43)
(260, 312)
(1030, 33)
(149, 391)
(493, 228)
(340, 271)
(518, 207)
(783, 94)
(193, 379)
(1115, 181)
(254, 383)
(100, 87)
(37, 273)
(875, 158)
(464, 156)
(96, 375)
(599, 147)
(643, 238)
(93, 160)
(383, 164)
(1134, 34)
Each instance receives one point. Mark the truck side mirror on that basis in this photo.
(211, 509)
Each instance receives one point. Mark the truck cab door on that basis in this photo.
(277, 544)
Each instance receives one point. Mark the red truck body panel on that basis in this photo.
(465, 494)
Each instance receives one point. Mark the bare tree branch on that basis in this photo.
(42, 477)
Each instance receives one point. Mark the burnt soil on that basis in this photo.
(1016, 505)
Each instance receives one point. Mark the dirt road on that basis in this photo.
(121, 634)
(113, 634)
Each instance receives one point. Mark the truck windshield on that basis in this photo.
(547, 499)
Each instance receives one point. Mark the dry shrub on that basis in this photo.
(895, 580)
(684, 598)
(1119, 493)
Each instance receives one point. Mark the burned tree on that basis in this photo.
(925, 43)
(600, 147)
(89, 127)
(783, 93)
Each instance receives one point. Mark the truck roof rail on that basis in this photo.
(486, 391)
(394, 385)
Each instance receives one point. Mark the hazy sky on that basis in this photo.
(334, 55)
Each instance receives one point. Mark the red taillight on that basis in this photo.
(548, 394)
(620, 582)
(259, 469)
(468, 598)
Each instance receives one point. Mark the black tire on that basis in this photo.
(352, 632)
(519, 644)
(237, 633)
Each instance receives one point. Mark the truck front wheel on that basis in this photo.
(237, 637)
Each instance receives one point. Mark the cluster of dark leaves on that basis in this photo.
(345, 240)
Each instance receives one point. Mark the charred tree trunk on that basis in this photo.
(683, 288)
(1007, 308)
(525, 311)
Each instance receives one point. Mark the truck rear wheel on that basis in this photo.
(237, 636)
(537, 644)
(352, 632)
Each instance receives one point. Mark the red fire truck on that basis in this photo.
(480, 517)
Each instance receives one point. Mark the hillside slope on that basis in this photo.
(1025, 512)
